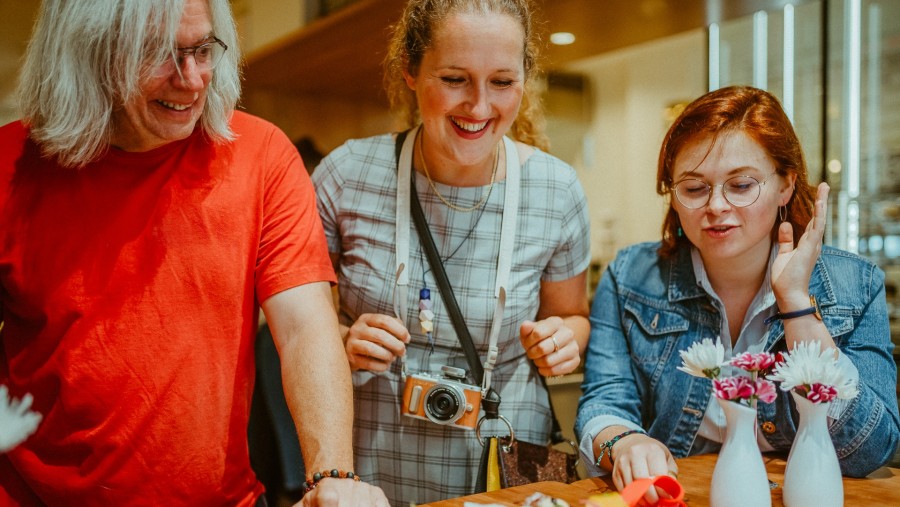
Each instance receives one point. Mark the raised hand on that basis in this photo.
(794, 264)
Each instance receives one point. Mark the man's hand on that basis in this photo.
(344, 493)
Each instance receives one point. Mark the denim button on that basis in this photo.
(768, 427)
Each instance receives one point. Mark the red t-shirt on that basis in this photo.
(130, 290)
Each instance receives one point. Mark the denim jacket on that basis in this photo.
(647, 309)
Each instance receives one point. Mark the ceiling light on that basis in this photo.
(562, 38)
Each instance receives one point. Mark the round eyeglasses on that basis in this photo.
(206, 57)
(739, 191)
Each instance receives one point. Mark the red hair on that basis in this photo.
(754, 112)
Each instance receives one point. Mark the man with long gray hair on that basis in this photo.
(143, 223)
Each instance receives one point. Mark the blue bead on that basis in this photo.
(425, 293)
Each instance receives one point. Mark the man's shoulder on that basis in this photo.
(13, 128)
(13, 133)
(13, 140)
(242, 123)
(256, 135)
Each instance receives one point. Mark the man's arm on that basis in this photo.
(318, 389)
(315, 373)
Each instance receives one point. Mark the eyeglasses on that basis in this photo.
(206, 57)
(739, 191)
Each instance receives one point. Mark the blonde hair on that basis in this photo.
(413, 35)
(88, 58)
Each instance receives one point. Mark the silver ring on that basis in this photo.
(512, 433)
(555, 344)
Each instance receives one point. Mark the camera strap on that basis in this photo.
(407, 198)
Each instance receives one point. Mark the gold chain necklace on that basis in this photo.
(484, 194)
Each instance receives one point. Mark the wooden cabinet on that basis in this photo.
(338, 55)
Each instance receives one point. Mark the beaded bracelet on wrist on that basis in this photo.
(606, 447)
(313, 481)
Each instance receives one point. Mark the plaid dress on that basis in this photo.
(415, 460)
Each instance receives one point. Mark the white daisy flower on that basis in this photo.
(16, 422)
(807, 364)
(703, 359)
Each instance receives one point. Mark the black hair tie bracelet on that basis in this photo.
(311, 482)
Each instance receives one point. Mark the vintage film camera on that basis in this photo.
(442, 399)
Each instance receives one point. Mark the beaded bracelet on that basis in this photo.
(311, 482)
(606, 448)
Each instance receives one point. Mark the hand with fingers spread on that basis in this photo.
(551, 345)
(793, 265)
(374, 341)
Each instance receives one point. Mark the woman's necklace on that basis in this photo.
(484, 194)
(426, 314)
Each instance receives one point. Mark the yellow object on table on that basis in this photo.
(606, 500)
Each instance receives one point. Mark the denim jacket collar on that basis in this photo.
(682, 286)
(682, 282)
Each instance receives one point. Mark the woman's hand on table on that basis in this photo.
(374, 341)
(638, 457)
(551, 345)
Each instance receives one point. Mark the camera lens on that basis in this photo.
(445, 404)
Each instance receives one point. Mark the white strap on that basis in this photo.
(504, 258)
(404, 165)
(507, 240)
(402, 220)
(510, 216)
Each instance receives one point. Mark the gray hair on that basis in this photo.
(88, 58)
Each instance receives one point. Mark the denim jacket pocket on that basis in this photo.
(652, 333)
(655, 321)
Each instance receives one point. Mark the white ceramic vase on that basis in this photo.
(739, 479)
(812, 477)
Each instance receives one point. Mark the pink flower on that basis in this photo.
(765, 390)
(817, 393)
(753, 362)
(734, 388)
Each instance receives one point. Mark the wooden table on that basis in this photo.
(881, 488)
